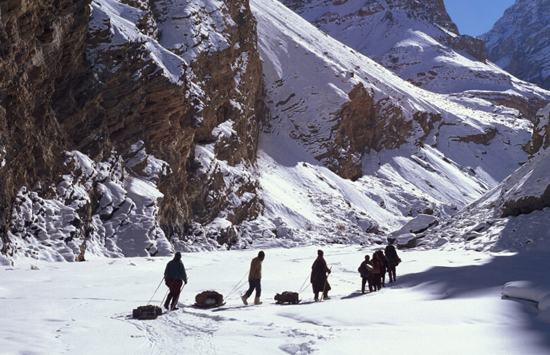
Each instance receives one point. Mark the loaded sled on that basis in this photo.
(147, 312)
(209, 299)
(287, 297)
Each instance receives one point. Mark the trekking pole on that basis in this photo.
(325, 285)
(156, 291)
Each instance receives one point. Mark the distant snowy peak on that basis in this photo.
(520, 41)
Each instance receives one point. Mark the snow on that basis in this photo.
(308, 76)
(123, 224)
(442, 302)
(475, 284)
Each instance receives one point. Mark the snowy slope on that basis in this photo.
(419, 43)
(308, 77)
(514, 216)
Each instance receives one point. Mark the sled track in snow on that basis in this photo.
(173, 330)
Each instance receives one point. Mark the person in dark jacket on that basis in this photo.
(377, 272)
(384, 261)
(174, 277)
(365, 269)
(254, 279)
(393, 260)
(319, 277)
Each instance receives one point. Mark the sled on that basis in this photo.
(209, 299)
(147, 312)
(288, 297)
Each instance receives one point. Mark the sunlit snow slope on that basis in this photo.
(418, 41)
(449, 154)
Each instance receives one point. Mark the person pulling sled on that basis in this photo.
(174, 277)
(254, 279)
(319, 277)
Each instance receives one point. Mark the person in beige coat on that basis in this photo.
(254, 279)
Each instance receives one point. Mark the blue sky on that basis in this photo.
(475, 17)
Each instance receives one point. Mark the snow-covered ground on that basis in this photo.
(444, 302)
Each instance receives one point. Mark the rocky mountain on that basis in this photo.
(520, 41)
(418, 41)
(108, 107)
(132, 128)
(404, 151)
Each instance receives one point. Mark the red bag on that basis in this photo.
(377, 267)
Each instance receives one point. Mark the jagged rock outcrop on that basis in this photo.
(519, 42)
(471, 45)
(364, 124)
(99, 77)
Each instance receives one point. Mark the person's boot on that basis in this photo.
(257, 300)
(244, 299)
(326, 297)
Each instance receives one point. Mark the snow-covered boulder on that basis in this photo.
(417, 225)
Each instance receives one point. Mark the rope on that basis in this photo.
(304, 286)
(156, 291)
(237, 287)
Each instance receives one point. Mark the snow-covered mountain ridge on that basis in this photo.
(440, 164)
(418, 41)
(171, 158)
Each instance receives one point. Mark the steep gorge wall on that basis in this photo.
(41, 47)
(72, 79)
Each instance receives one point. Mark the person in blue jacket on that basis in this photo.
(174, 277)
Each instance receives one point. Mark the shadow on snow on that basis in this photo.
(468, 281)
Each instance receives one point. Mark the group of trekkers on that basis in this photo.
(372, 270)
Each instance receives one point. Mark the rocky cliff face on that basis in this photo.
(41, 47)
(520, 41)
(165, 93)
